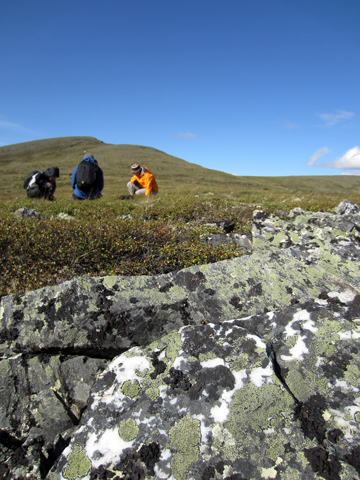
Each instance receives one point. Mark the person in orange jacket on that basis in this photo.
(142, 182)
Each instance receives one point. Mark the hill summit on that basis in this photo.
(174, 175)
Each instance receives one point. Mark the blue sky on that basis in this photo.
(249, 87)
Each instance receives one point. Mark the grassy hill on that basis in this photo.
(115, 160)
(141, 235)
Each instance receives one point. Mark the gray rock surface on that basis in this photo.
(54, 342)
(205, 402)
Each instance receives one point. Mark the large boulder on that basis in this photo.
(54, 342)
(274, 395)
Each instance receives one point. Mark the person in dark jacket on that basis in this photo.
(82, 191)
(42, 184)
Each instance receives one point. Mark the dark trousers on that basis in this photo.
(36, 192)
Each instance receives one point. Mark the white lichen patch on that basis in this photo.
(349, 335)
(257, 375)
(259, 342)
(301, 316)
(212, 363)
(107, 446)
(297, 351)
(220, 412)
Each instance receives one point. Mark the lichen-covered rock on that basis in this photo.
(274, 395)
(293, 260)
(56, 341)
(24, 212)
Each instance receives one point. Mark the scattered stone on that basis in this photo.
(24, 212)
(65, 216)
(125, 217)
(347, 208)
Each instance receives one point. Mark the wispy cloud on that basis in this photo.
(332, 119)
(10, 125)
(291, 125)
(14, 126)
(185, 135)
(354, 172)
(349, 161)
(319, 153)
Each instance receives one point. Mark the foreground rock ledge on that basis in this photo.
(186, 368)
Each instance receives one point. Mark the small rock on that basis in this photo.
(346, 208)
(24, 212)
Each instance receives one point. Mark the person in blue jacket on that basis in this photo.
(87, 179)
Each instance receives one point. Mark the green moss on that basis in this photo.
(357, 416)
(131, 389)
(78, 464)
(184, 439)
(128, 430)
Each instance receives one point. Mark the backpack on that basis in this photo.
(86, 173)
(30, 179)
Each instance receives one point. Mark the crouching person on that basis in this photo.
(87, 179)
(40, 184)
(142, 182)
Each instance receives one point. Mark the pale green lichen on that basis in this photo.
(174, 346)
(128, 430)
(152, 393)
(326, 336)
(291, 474)
(276, 447)
(357, 416)
(238, 363)
(295, 237)
(4, 368)
(203, 357)
(224, 443)
(110, 281)
(78, 464)
(279, 238)
(352, 375)
(131, 388)
(254, 407)
(184, 439)
(268, 473)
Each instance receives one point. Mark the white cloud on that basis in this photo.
(349, 161)
(185, 135)
(319, 153)
(332, 119)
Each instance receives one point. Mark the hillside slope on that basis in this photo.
(115, 160)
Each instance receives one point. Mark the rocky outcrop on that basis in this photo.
(193, 393)
(274, 395)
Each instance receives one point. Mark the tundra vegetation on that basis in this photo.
(137, 236)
